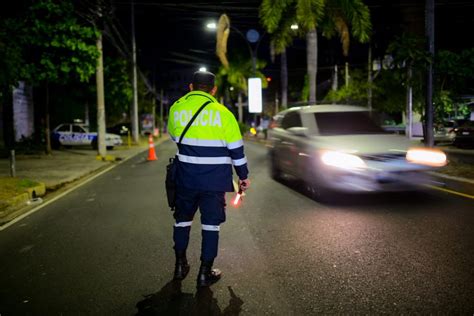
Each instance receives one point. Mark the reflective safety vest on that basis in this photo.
(210, 147)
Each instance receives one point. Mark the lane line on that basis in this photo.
(19, 218)
(451, 191)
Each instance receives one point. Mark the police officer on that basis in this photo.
(208, 150)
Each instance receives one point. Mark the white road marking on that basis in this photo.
(19, 218)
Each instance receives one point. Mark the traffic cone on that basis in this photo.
(151, 149)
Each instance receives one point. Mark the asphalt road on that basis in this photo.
(105, 249)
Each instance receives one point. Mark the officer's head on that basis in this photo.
(204, 81)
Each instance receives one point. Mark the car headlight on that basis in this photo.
(427, 156)
(342, 160)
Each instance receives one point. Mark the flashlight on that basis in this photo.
(238, 197)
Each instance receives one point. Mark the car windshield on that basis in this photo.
(346, 123)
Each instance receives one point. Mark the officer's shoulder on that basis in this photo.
(221, 107)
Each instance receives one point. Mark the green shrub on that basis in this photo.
(244, 128)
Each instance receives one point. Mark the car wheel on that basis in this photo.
(94, 144)
(110, 147)
(316, 191)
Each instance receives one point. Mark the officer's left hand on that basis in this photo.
(244, 184)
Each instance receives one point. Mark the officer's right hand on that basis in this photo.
(244, 184)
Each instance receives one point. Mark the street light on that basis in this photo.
(294, 26)
(252, 37)
(204, 69)
(211, 25)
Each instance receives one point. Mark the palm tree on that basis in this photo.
(282, 38)
(332, 16)
(235, 75)
(409, 53)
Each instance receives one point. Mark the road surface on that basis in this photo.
(105, 249)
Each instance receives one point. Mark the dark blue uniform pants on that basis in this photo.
(212, 207)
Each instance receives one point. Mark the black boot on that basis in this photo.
(207, 275)
(181, 267)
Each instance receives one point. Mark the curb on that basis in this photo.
(21, 212)
(12, 207)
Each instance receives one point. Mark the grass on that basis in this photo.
(10, 187)
(458, 169)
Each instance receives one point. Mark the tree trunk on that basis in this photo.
(47, 123)
(284, 80)
(369, 79)
(102, 149)
(335, 82)
(7, 108)
(241, 110)
(429, 25)
(408, 129)
(312, 63)
(346, 72)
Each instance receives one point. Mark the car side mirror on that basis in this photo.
(298, 131)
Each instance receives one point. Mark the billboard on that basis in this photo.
(255, 95)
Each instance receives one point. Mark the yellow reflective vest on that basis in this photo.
(210, 147)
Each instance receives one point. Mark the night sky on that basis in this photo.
(173, 36)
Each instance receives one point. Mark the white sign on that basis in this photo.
(23, 111)
(255, 95)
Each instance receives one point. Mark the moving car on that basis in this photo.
(340, 148)
(72, 134)
(465, 135)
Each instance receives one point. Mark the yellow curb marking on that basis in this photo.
(451, 191)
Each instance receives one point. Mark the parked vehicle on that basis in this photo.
(465, 135)
(72, 134)
(445, 132)
(340, 148)
(120, 129)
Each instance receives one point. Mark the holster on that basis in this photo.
(170, 183)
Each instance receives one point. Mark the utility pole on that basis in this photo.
(429, 28)
(153, 110)
(409, 102)
(135, 93)
(284, 80)
(102, 149)
(161, 113)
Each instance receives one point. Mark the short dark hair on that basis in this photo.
(203, 81)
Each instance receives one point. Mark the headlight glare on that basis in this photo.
(427, 156)
(342, 160)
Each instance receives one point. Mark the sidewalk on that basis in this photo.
(53, 172)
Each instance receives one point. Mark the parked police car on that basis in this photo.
(78, 135)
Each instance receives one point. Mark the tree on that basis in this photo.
(409, 54)
(333, 16)
(118, 88)
(55, 48)
(236, 75)
(281, 38)
(11, 61)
